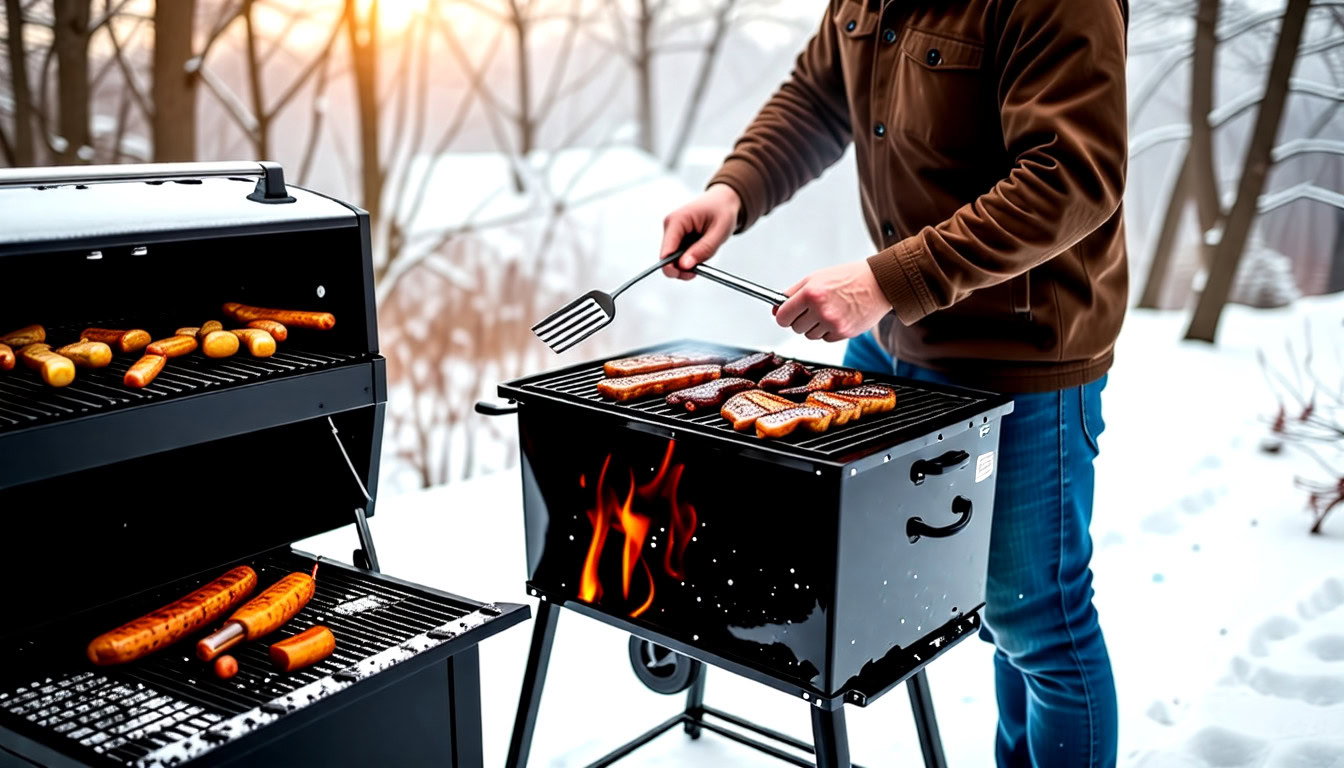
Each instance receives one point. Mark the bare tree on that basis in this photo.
(694, 102)
(70, 40)
(363, 38)
(174, 90)
(22, 147)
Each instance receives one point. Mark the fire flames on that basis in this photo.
(616, 511)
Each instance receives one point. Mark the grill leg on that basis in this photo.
(695, 703)
(534, 678)
(832, 742)
(926, 724)
(464, 691)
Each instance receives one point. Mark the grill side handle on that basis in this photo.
(488, 408)
(270, 184)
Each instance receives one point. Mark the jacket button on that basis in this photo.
(850, 26)
(889, 36)
(880, 130)
(888, 231)
(933, 57)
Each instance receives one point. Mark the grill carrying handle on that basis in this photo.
(270, 186)
(948, 462)
(916, 527)
(487, 408)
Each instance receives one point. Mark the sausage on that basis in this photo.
(125, 342)
(56, 371)
(320, 321)
(173, 621)
(6, 358)
(262, 615)
(226, 667)
(187, 330)
(259, 343)
(87, 354)
(173, 346)
(207, 328)
(277, 330)
(32, 334)
(219, 344)
(143, 371)
(304, 649)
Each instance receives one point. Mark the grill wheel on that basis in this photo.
(660, 669)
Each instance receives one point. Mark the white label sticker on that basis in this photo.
(984, 466)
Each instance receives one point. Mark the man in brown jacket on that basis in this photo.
(990, 138)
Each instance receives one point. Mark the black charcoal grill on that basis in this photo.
(830, 566)
(117, 501)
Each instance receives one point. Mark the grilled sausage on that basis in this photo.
(259, 343)
(173, 621)
(207, 328)
(32, 334)
(304, 649)
(124, 342)
(814, 418)
(6, 358)
(56, 371)
(262, 615)
(639, 385)
(277, 330)
(188, 330)
(632, 366)
(320, 321)
(87, 354)
(219, 344)
(173, 346)
(226, 667)
(709, 394)
(143, 371)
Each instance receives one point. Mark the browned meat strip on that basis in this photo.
(846, 409)
(656, 383)
(814, 418)
(786, 375)
(873, 398)
(753, 364)
(825, 380)
(633, 366)
(744, 408)
(709, 394)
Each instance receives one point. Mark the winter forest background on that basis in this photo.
(513, 153)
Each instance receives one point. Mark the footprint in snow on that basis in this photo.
(1271, 630)
(1226, 749)
(1327, 647)
(1311, 754)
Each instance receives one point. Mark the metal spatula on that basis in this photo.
(594, 310)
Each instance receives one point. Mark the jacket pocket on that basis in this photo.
(939, 88)
(854, 21)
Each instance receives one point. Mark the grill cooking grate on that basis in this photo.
(919, 408)
(126, 713)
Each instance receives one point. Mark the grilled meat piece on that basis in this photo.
(786, 375)
(744, 408)
(709, 394)
(873, 398)
(846, 409)
(633, 366)
(813, 418)
(656, 383)
(825, 380)
(753, 364)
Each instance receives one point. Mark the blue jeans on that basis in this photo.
(1053, 678)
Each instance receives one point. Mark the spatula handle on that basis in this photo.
(686, 242)
(740, 284)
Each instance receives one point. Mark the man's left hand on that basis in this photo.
(834, 303)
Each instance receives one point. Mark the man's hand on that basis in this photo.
(834, 303)
(713, 214)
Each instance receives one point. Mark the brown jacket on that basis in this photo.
(990, 137)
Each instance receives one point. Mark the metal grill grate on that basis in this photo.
(26, 401)
(126, 713)
(919, 408)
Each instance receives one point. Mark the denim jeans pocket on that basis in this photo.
(1089, 405)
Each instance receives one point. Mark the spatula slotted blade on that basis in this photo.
(576, 321)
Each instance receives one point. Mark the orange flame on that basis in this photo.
(609, 512)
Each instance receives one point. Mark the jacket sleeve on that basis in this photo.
(803, 129)
(1061, 93)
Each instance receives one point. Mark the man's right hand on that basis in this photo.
(713, 214)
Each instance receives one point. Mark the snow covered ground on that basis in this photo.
(1225, 619)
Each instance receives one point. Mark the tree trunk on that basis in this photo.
(262, 140)
(174, 90)
(1160, 264)
(1204, 179)
(22, 147)
(644, 78)
(1227, 254)
(364, 53)
(526, 137)
(71, 40)
(697, 98)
